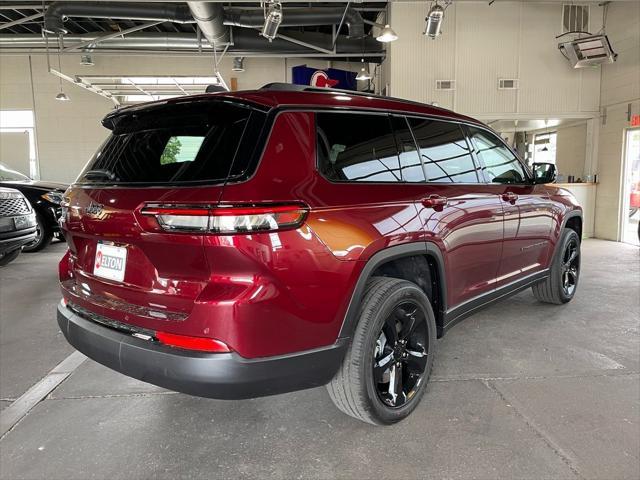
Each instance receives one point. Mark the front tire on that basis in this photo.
(43, 236)
(8, 257)
(562, 283)
(385, 371)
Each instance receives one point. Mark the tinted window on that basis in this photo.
(410, 166)
(444, 151)
(176, 144)
(357, 147)
(498, 163)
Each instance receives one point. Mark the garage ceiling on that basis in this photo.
(22, 24)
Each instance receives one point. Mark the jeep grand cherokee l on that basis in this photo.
(235, 245)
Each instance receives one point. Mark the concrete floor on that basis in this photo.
(520, 390)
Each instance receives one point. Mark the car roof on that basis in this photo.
(298, 96)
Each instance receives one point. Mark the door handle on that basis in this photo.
(509, 197)
(435, 201)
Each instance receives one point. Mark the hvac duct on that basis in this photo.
(299, 17)
(57, 12)
(245, 43)
(209, 17)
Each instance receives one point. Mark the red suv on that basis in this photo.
(235, 245)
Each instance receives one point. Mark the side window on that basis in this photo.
(410, 165)
(444, 151)
(357, 147)
(498, 163)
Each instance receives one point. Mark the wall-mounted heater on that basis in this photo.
(588, 51)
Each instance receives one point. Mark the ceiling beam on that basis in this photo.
(20, 21)
(120, 33)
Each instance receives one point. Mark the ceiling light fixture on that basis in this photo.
(434, 19)
(387, 35)
(61, 96)
(364, 74)
(238, 64)
(272, 20)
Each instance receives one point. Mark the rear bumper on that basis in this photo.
(219, 375)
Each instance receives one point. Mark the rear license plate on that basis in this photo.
(111, 262)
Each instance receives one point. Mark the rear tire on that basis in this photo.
(43, 236)
(562, 283)
(385, 371)
(8, 257)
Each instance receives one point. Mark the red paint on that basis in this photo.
(278, 292)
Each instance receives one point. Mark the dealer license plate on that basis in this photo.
(110, 262)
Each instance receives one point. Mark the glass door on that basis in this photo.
(631, 188)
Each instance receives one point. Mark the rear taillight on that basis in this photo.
(227, 219)
(201, 344)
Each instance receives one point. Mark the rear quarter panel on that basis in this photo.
(306, 277)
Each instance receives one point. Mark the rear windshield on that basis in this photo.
(178, 143)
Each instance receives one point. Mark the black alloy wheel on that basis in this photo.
(570, 267)
(385, 370)
(561, 283)
(400, 355)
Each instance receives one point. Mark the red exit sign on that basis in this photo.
(635, 120)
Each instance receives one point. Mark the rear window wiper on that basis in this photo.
(101, 174)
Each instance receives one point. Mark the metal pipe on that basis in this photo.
(57, 12)
(93, 42)
(246, 43)
(209, 17)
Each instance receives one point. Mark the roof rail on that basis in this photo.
(308, 88)
(291, 87)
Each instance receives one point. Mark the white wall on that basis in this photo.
(479, 45)
(620, 86)
(571, 146)
(68, 133)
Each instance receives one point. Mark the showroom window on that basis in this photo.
(544, 147)
(16, 122)
(498, 163)
(444, 151)
(357, 148)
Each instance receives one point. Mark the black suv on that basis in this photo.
(17, 224)
(44, 197)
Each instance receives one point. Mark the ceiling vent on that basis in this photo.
(445, 84)
(575, 18)
(588, 51)
(508, 84)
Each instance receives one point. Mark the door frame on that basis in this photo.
(623, 212)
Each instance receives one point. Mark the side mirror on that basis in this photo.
(544, 173)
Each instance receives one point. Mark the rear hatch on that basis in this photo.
(123, 264)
